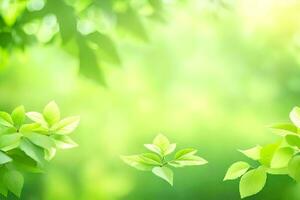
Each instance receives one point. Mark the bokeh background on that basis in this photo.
(212, 76)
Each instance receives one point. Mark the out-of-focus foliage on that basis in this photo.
(157, 160)
(84, 28)
(26, 147)
(211, 77)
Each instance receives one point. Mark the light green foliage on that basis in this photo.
(158, 161)
(280, 157)
(26, 147)
(80, 27)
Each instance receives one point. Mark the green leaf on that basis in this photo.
(188, 160)
(40, 140)
(277, 171)
(293, 140)
(18, 116)
(137, 162)
(50, 153)
(252, 182)
(51, 113)
(294, 168)
(9, 141)
(4, 158)
(185, 152)
(66, 125)
(284, 129)
(253, 153)
(164, 145)
(164, 173)
(14, 181)
(236, 170)
(64, 142)
(33, 151)
(38, 118)
(88, 63)
(34, 127)
(153, 148)
(267, 152)
(3, 188)
(151, 159)
(106, 46)
(6, 120)
(295, 116)
(282, 157)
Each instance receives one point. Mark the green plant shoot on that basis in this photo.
(158, 160)
(28, 141)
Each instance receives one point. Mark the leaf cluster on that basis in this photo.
(281, 157)
(157, 159)
(28, 140)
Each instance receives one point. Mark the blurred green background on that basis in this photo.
(212, 76)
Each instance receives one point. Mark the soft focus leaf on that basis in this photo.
(267, 152)
(252, 182)
(33, 151)
(51, 113)
(6, 120)
(37, 117)
(18, 116)
(9, 141)
(40, 140)
(66, 125)
(14, 181)
(295, 116)
(4, 158)
(151, 159)
(164, 173)
(282, 157)
(185, 152)
(293, 140)
(236, 170)
(294, 168)
(284, 129)
(64, 142)
(253, 153)
(137, 162)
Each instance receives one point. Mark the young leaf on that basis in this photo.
(18, 116)
(9, 141)
(51, 113)
(277, 171)
(151, 159)
(253, 153)
(50, 153)
(40, 140)
(164, 173)
(294, 168)
(282, 157)
(64, 142)
(284, 129)
(33, 151)
(3, 188)
(236, 170)
(66, 125)
(153, 148)
(162, 142)
(185, 152)
(14, 182)
(267, 152)
(295, 116)
(170, 149)
(38, 118)
(252, 182)
(137, 162)
(6, 120)
(33, 127)
(188, 160)
(4, 158)
(293, 140)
